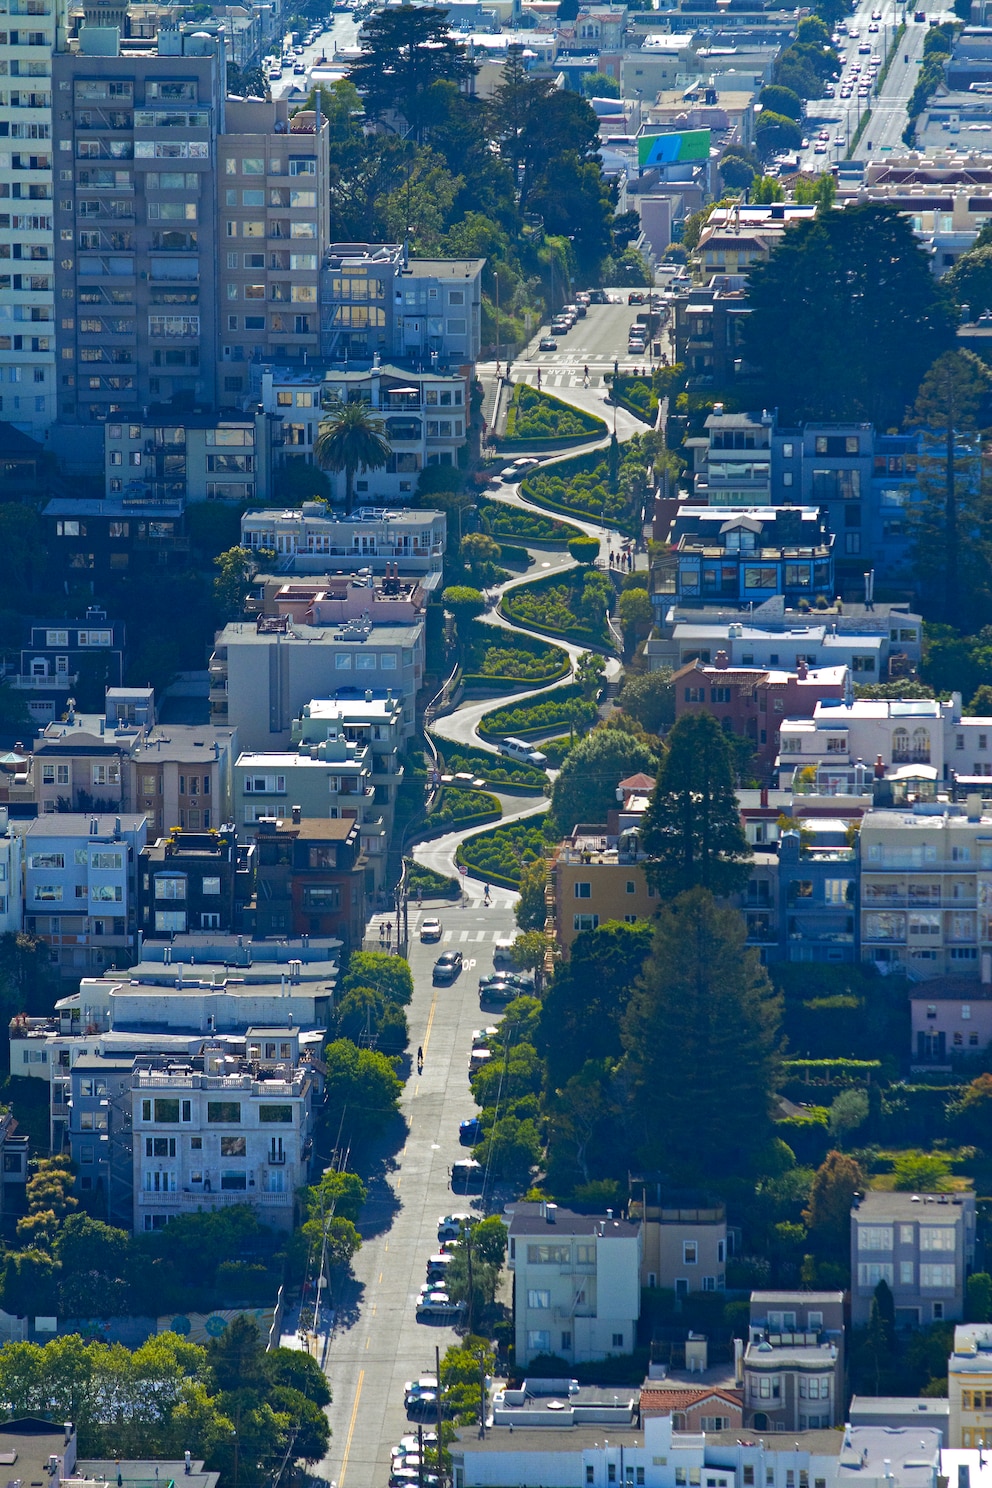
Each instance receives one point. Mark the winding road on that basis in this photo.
(373, 1342)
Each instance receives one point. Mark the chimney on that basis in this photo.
(297, 815)
(739, 1362)
(879, 768)
(764, 795)
(550, 1212)
(721, 660)
(802, 670)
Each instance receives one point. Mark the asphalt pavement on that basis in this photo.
(341, 36)
(376, 1343)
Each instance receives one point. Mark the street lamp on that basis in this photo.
(496, 277)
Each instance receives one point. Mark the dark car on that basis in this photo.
(447, 966)
(470, 1131)
(547, 343)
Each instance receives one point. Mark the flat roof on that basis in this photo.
(79, 824)
(527, 1219)
(796, 1299)
(891, 1405)
(876, 1205)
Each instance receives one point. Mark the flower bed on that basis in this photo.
(497, 771)
(581, 486)
(461, 808)
(573, 606)
(554, 710)
(534, 415)
(500, 854)
(501, 661)
(428, 884)
(502, 521)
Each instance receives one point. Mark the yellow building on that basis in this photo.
(969, 1386)
(599, 876)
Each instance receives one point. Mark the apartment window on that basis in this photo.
(583, 891)
(870, 1273)
(538, 1340)
(170, 886)
(875, 1237)
(160, 1146)
(937, 1237)
(690, 1252)
(618, 1340)
(211, 886)
(907, 1272)
(936, 1276)
(585, 922)
(538, 1298)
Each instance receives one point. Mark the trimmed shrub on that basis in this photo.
(574, 605)
(499, 655)
(537, 415)
(459, 808)
(500, 521)
(493, 768)
(585, 486)
(565, 706)
(428, 884)
(499, 854)
(584, 549)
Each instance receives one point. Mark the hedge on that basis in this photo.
(637, 396)
(498, 657)
(501, 520)
(499, 854)
(519, 557)
(808, 1136)
(534, 415)
(541, 716)
(547, 604)
(495, 769)
(462, 808)
(430, 885)
(580, 486)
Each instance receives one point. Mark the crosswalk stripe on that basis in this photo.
(463, 937)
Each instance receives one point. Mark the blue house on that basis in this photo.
(745, 556)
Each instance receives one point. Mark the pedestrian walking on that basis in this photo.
(538, 379)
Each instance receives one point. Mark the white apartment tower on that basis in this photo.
(29, 33)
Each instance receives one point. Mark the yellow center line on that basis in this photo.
(351, 1427)
(430, 1023)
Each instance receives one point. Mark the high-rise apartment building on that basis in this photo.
(29, 32)
(136, 137)
(274, 215)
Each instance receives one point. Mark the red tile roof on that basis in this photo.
(662, 1401)
(638, 782)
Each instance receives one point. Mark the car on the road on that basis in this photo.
(840, 139)
(447, 966)
(470, 1131)
(919, 15)
(583, 298)
(842, 57)
(426, 1384)
(560, 327)
(635, 297)
(547, 343)
(449, 1227)
(300, 69)
(517, 749)
(864, 50)
(435, 1304)
(819, 148)
(598, 297)
(275, 73)
(873, 28)
(430, 930)
(423, 1407)
(519, 468)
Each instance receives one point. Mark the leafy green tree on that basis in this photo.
(922, 1172)
(510, 1149)
(30, 1285)
(701, 1035)
(361, 1085)
(691, 829)
(94, 1262)
(774, 132)
(238, 566)
(582, 1010)
(599, 85)
(295, 1370)
(463, 601)
(737, 173)
(781, 101)
(766, 190)
(405, 50)
(586, 785)
(480, 553)
(818, 192)
(351, 438)
(970, 280)
(365, 1015)
(649, 698)
(861, 346)
(951, 524)
(590, 670)
(978, 1297)
(530, 910)
(528, 950)
(464, 1369)
(337, 1193)
(584, 549)
(828, 1215)
(509, 1076)
(389, 975)
(635, 611)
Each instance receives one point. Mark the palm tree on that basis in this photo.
(349, 439)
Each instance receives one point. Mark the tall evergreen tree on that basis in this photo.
(859, 346)
(691, 829)
(951, 523)
(701, 1035)
(406, 49)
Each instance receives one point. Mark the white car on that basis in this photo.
(430, 930)
(435, 1304)
(449, 1226)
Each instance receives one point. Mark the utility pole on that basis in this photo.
(437, 1375)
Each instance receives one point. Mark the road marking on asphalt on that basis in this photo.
(380, 1278)
(368, 1342)
(463, 936)
(351, 1427)
(447, 935)
(430, 1023)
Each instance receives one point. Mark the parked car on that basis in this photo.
(426, 1384)
(435, 1304)
(470, 1131)
(466, 1175)
(447, 967)
(430, 930)
(437, 1266)
(449, 1226)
